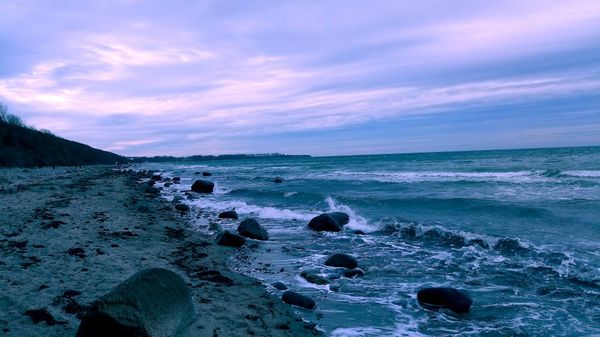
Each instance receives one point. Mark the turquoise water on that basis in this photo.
(519, 230)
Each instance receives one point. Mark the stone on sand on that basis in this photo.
(299, 300)
(250, 228)
(226, 238)
(151, 303)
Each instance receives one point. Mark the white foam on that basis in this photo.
(356, 221)
(583, 174)
(265, 212)
(434, 176)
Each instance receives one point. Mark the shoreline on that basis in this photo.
(69, 235)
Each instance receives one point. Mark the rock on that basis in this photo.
(151, 189)
(178, 198)
(250, 228)
(341, 260)
(151, 303)
(357, 232)
(42, 315)
(449, 298)
(206, 174)
(353, 273)
(229, 239)
(176, 179)
(182, 207)
(278, 180)
(299, 300)
(330, 222)
(279, 285)
(156, 177)
(228, 215)
(313, 278)
(203, 186)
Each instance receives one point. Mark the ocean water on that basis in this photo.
(518, 230)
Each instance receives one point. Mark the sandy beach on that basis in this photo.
(69, 235)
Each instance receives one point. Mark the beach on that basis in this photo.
(69, 235)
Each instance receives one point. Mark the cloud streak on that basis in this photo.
(141, 77)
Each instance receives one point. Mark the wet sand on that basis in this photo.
(69, 235)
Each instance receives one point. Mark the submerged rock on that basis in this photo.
(342, 260)
(153, 302)
(279, 285)
(206, 174)
(228, 215)
(226, 238)
(250, 228)
(313, 278)
(182, 207)
(203, 186)
(278, 180)
(299, 300)
(449, 298)
(354, 273)
(330, 222)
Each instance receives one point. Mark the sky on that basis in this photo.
(143, 78)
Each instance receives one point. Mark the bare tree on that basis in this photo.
(9, 118)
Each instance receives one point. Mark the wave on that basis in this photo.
(515, 251)
(518, 177)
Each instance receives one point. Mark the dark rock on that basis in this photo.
(228, 215)
(182, 207)
(213, 276)
(206, 174)
(250, 228)
(449, 298)
(229, 239)
(152, 302)
(278, 180)
(299, 300)
(203, 186)
(282, 326)
(178, 198)
(18, 244)
(176, 179)
(156, 177)
(341, 260)
(76, 251)
(279, 285)
(42, 315)
(151, 190)
(354, 273)
(313, 278)
(330, 222)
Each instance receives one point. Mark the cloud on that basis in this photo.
(139, 78)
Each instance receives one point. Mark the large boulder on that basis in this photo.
(203, 186)
(228, 215)
(449, 298)
(299, 300)
(152, 303)
(341, 260)
(329, 222)
(250, 228)
(226, 238)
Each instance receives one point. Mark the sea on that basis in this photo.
(517, 230)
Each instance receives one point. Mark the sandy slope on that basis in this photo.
(68, 235)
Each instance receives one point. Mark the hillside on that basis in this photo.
(25, 147)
